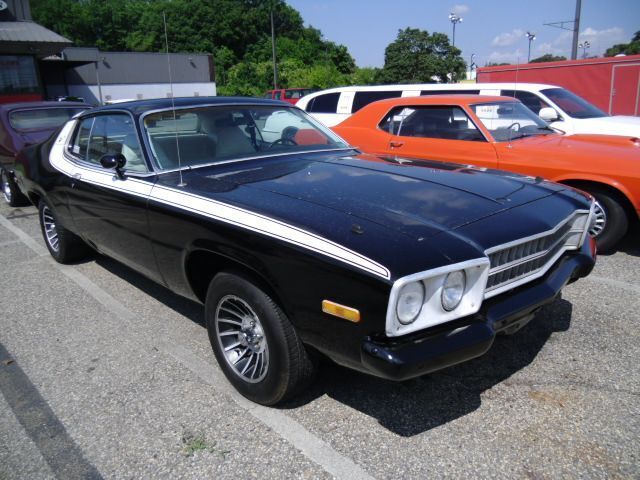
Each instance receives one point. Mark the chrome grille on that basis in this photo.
(517, 261)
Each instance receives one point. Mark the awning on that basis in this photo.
(31, 39)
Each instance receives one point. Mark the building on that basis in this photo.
(38, 64)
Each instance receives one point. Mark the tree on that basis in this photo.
(631, 48)
(495, 64)
(548, 57)
(419, 57)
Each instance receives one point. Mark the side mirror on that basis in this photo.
(548, 114)
(116, 161)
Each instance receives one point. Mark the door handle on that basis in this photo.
(75, 178)
(394, 144)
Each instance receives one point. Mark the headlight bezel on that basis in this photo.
(432, 312)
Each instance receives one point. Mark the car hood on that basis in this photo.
(416, 197)
(611, 148)
(615, 125)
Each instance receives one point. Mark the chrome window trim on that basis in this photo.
(158, 169)
(92, 114)
(469, 116)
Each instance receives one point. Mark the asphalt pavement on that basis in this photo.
(104, 374)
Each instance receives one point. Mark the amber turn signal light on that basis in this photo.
(341, 311)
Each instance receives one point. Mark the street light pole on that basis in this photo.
(454, 19)
(531, 36)
(273, 52)
(584, 46)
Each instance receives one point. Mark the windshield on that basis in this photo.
(573, 105)
(42, 118)
(211, 134)
(510, 120)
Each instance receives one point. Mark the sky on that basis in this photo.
(493, 30)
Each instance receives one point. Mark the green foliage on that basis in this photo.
(236, 32)
(495, 64)
(419, 57)
(631, 48)
(547, 57)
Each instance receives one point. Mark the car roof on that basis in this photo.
(139, 107)
(7, 107)
(536, 87)
(446, 99)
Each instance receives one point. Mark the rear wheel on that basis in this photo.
(611, 221)
(254, 342)
(63, 245)
(10, 191)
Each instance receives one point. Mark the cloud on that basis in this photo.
(460, 9)
(514, 56)
(599, 40)
(508, 38)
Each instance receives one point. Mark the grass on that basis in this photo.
(194, 443)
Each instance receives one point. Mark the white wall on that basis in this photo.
(90, 93)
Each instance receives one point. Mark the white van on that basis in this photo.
(558, 106)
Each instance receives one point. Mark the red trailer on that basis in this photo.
(611, 83)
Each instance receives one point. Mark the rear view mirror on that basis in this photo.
(548, 114)
(116, 161)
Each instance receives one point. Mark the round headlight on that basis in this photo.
(453, 289)
(410, 301)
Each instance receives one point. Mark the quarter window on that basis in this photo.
(446, 122)
(108, 134)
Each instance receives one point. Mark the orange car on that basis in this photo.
(500, 132)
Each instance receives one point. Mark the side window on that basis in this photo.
(103, 134)
(362, 99)
(80, 145)
(450, 123)
(327, 103)
(530, 100)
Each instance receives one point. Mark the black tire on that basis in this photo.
(616, 222)
(63, 245)
(288, 366)
(10, 191)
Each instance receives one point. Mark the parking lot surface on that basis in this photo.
(104, 374)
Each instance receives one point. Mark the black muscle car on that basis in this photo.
(300, 245)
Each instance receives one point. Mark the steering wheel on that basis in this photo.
(283, 141)
(287, 137)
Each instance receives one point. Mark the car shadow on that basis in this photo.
(412, 407)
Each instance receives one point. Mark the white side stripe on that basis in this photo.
(212, 209)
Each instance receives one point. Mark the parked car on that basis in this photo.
(289, 95)
(500, 132)
(300, 245)
(565, 110)
(22, 124)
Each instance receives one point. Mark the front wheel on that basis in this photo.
(63, 245)
(611, 222)
(254, 342)
(10, 191)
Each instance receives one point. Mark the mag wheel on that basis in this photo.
(63, 245)
(254, 342)
(610, 223)
(10, 190)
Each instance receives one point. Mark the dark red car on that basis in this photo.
(23, 124)
(289, 95)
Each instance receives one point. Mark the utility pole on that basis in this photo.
(576, 31)
(273, 51)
